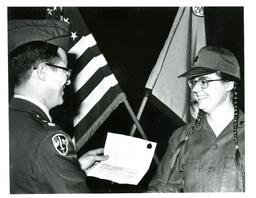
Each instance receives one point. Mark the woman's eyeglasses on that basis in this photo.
(204, 83)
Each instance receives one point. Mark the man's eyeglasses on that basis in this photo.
(67, 70)
(204, 83)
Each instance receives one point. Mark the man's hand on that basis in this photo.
(91, 158)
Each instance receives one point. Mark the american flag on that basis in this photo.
(96, 90)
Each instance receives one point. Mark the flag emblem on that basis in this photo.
(198, 10)
(60, 143)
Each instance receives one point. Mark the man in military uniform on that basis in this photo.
(43, 158)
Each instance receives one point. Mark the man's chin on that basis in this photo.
(60, 101)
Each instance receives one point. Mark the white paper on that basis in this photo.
(129, 159)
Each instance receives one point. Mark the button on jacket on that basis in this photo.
(206, 163)
(42, 156)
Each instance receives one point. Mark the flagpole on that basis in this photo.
(141, 109)
(136, 122)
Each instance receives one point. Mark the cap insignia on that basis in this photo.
(196, 59)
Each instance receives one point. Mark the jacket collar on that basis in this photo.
(19, 104)
(229, 128)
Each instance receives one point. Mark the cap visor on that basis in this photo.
(197, 71)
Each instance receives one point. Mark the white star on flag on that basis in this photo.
(73, 35)
(49, 10)
(66, 20)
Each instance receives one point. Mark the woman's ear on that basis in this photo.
(230, 85)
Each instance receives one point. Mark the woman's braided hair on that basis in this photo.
(236, 115)
(196, 123)
(227, 77)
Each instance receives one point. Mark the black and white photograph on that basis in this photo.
(127, 99)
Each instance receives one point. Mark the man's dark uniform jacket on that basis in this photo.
(42, 157)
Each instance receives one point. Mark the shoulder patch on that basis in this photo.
(60, 143)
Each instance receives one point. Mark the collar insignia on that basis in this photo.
(60, 143)
(51, 124)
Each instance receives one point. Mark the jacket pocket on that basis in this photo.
(191, 175)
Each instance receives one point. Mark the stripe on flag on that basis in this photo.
(95, 96)
(108, 103)
(83, 44)
(88, 71)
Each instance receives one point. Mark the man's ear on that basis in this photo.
(230, 85)
(41, 71)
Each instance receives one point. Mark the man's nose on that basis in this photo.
(68, 82)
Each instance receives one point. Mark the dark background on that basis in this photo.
(131, 39)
